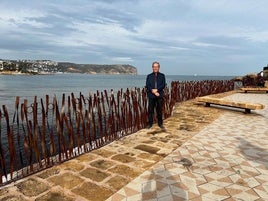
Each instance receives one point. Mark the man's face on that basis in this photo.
(156, 68)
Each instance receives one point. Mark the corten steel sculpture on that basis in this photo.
(51, 131)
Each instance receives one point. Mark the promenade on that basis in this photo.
(229, 162)
(227, 149)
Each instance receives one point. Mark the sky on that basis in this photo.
(203, 37)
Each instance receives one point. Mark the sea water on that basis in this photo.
(28, 86)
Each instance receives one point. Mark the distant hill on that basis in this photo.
(96, 68)
(51, 67)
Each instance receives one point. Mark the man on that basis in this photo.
(155, 84)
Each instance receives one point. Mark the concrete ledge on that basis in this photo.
(253, 89)
(217, 101)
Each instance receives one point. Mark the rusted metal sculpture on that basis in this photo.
(45, 133)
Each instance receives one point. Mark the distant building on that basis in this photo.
(1, 65)
(265, 73)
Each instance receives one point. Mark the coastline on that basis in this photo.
(19, 73)
(59, 73)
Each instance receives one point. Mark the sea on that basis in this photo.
(29, 86)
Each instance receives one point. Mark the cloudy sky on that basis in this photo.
(222, 37)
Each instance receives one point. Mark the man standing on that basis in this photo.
(155, 84)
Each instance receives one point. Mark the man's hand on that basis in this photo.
(154, 91)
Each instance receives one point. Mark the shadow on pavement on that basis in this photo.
(253, 152)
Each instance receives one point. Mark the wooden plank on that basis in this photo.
(223, 102)
(254, 89)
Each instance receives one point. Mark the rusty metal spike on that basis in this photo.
(94, 124)
(35, 132)
(73, 102)
(30, 142)
(106, 97)
(58, 130)
(16, 108)
(82, 122)
(2, 153)
(27, 152)
(88, 128)
(43, 135)
(70, 119)
(64, 145)
(104, 117)
(77, 125)
(82, 98)
(101, 134)
(11, 145)
(17, 119)
(70, 139)
(63, 104)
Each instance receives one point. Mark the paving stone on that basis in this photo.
(152, 157)
(104, 153)
(117, 182)
(102, 164)
(148, 141)
(147, 148)
(14, 198)
(155, 132)
(125, 171)
(93, 192)
(130, 154)
(32, 187)
(73, 165)
(49, 172)
(55, 196)
(66, 180)
(94, 174)
(86, 157)
(142, 163)
(3, 191)
(123, 158)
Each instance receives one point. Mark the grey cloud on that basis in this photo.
(185, 35)
(126, 20)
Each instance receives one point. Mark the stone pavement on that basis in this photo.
(229, 161)
(100, 173)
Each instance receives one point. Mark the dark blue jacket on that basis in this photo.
(150, 84)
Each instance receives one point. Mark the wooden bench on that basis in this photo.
(223, 102)
(254, 89)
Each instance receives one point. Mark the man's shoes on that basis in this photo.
(162, 127)
(149, 126)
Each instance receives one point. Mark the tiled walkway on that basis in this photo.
(229, 162)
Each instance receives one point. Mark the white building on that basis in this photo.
(1, 65)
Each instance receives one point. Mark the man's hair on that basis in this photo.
(156, 62)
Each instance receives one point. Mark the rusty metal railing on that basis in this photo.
(50, 131)
(182, 91)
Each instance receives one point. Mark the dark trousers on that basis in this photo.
(155, 103)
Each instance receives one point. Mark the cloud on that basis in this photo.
(209, 45)
(193, 34)
(122, 59)
(11, 18)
